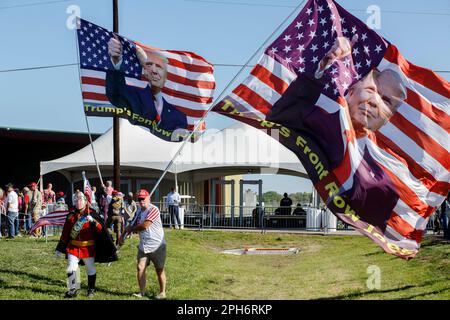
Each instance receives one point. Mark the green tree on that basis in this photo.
(272, 198)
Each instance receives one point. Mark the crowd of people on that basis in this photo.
(21, 208)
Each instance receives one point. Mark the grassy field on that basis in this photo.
(327, 267)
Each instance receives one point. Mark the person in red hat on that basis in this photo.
(84, 237)
(152, 244)
(115, 214)
(60, 197)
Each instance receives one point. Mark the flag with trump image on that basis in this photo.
(166, 92)
(371, 128)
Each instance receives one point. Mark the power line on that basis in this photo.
(33, 4)
(40, 67)
(215, 65)
(292, 6)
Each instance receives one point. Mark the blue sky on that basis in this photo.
(34, 33)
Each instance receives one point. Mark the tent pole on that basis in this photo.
(220, 98)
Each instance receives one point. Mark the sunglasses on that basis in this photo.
(141, 199)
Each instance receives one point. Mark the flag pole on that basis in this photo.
(219, 98)
(116, 119)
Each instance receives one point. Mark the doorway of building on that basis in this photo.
(125, 186)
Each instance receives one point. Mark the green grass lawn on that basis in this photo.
(327, 267)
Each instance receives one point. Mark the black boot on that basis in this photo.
(91, 285)
(72, 284)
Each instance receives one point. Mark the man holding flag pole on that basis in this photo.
(152, 244)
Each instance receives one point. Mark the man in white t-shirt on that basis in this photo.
(12, 207)
(152, 244)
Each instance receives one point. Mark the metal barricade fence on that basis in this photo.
(250, 217)
(236, 217)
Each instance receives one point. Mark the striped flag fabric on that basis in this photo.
(189, 85)
(371, 129)
(56, 218)
(87, 187)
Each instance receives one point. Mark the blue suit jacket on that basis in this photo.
(140, 101)
(373, 194)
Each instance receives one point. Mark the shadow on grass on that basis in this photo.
(4, 286)
(364, 293)
(371, 292)
(438, 291)
(48, 281)
(37, 277)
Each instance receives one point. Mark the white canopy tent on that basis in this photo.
(238, 149)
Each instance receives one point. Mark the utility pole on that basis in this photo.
(116, 119)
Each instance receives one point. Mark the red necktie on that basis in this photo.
(158, 118)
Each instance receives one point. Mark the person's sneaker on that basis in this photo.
(138, 295)
(71, 294)
(161, 296)
(90, 293)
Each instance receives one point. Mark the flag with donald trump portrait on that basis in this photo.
(167, 92)
(371, 129)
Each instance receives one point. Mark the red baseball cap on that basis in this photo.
(143, 194)
(115, 192)
(33, 184)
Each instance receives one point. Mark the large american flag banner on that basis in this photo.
(385, 178)
(56, 218)
(189, 86)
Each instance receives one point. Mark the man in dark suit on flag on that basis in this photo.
(146, 102)
(371, 102)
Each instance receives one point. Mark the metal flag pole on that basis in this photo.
(220, 97)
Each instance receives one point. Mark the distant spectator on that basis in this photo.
(60, 197)
(115, 214)
(20, 198)
(173, 201)
(299, 210)
(285, 205)
(94, 196)
(130, 207)
(256, 214)
(445, 217)
(2, 209)
(25, 204)
(49, 194)
(12, 207)
(103, 202)
(109, 188)
(34, 205)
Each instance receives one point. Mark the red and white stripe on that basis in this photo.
(267, 81)
(56, 218)
(189, 86)
(415, 146)
(153, 213)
